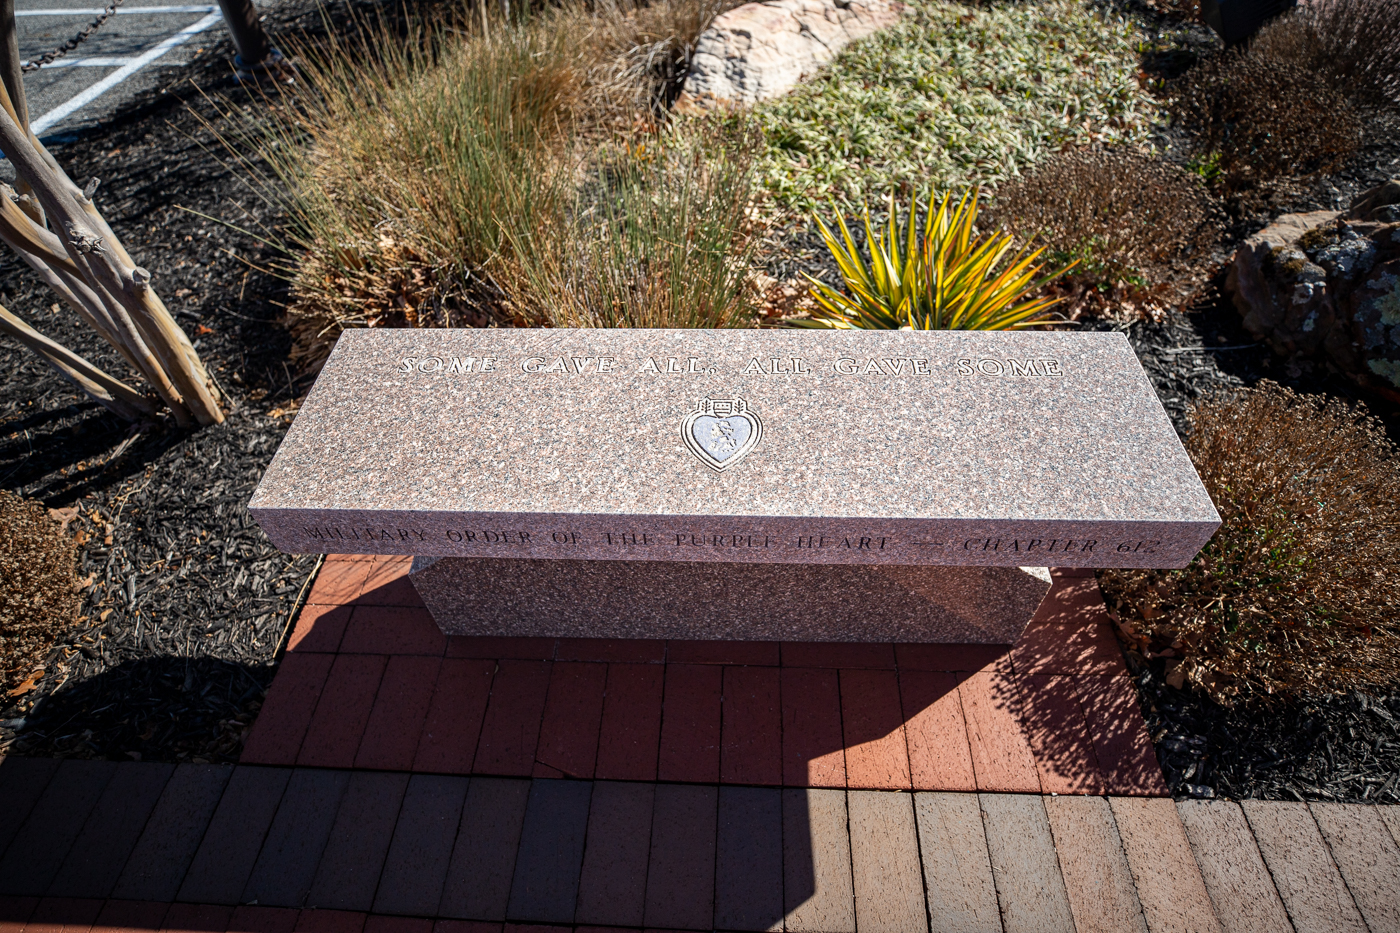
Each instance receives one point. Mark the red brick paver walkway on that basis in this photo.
(401, 782)
(369, 682)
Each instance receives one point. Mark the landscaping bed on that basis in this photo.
(186, 603)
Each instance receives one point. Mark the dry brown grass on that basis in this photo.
(1131, 220)
(38, 599)
(1299, 590)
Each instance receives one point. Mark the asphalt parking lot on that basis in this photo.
(127, 55)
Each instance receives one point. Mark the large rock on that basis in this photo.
(1326, 285)
(760, 50)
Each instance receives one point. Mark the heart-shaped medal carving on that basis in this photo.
(721, 432)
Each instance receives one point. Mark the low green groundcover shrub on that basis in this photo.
(956, 95)
(1299, 590)
(38, 599)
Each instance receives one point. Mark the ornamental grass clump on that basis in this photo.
(1299, 590)
(38, 598)
(660, 236)
(942, 277)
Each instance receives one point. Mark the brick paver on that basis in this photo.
(319, 628)
(296, 839)
(1169, 884)
(511, 730)
(612, 883)
(630, 735)
(749, 859)
(1058, 734)
(1095, 870)
(420, 852)
(690, 723)
(452, 726)
(1368, 858)
(353, 859)
(173, 833)
(251, 918)
(390, 739)
(231, 844)
(573, 714)
(342, 712)
(818, 893)
(482, 866)
(939, 755)
(814, 753)
(286, 713)
(393, 630)
(550, 857)
(338, 582)
(1026, 869)
(962, 897)
(1307, 878)
(751, 730)
(681, 864)
(1002, 759)
(888, 882)
(1234, 873)
(43, 840)
(22, 782)
(872, 725)
(95, 861)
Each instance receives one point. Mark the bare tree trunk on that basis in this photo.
(58, 231)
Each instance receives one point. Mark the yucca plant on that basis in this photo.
(943, 279)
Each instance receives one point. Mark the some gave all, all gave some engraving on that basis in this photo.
(850, 447)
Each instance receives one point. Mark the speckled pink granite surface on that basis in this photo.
(1005, 449)
(750, 602)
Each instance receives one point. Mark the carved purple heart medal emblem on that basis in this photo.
(721, 431)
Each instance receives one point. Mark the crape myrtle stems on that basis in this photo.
(85, 263)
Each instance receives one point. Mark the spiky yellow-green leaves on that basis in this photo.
(944, 279)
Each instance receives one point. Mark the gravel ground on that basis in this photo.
(187, 603)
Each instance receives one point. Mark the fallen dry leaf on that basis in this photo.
(29, 684)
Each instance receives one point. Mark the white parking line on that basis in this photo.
(120, 10)
(92, 61)
(121, 74)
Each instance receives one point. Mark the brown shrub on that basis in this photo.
(1352, 45)
(1256, 120)
(38, 599)
(1128, 218)
(1299, 590)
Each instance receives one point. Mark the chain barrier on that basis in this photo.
(51, 56)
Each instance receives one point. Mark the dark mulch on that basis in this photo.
(187, 602)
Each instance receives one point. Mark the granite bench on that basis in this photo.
(755, 484)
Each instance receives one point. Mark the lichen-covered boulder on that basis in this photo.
(760, 50)
(1326, 285)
